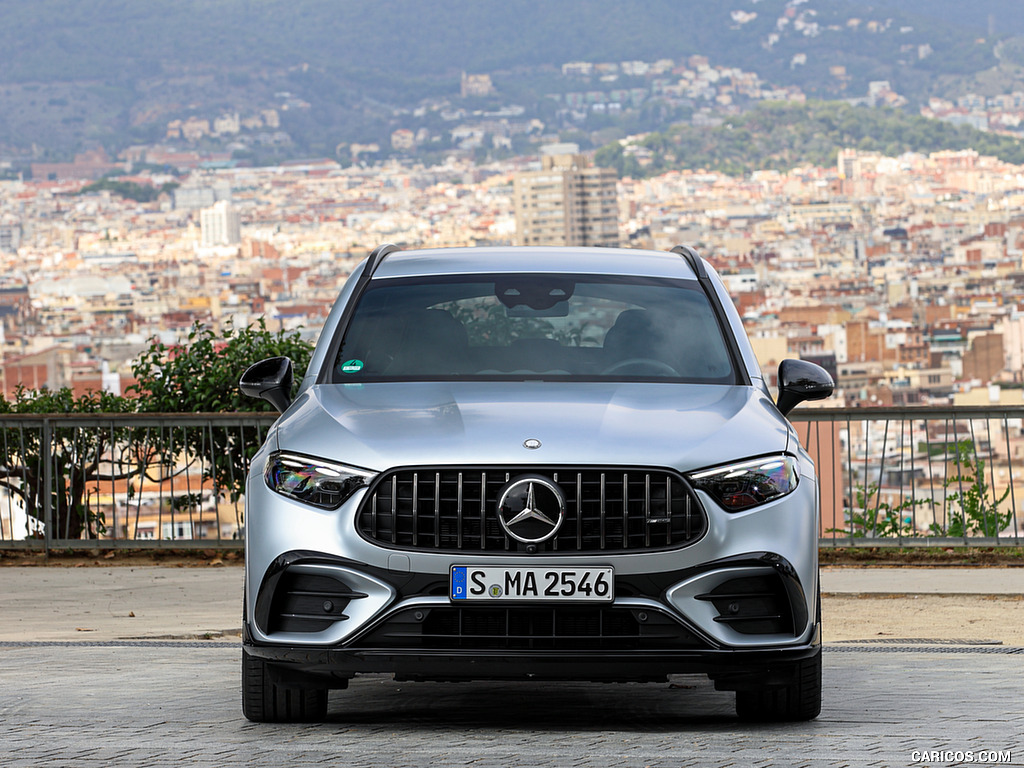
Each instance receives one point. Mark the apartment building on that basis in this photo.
(567, 202)
(220, 225)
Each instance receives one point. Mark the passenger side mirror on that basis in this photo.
(800, 380)
(270, 380)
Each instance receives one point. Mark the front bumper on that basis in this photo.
(776, 541)
(404, 624)
(731, 670)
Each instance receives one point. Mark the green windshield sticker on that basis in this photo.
(352, 366)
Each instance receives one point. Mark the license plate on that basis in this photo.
(532, 583)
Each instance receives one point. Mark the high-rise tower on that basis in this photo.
(220, 225)
(567, 202)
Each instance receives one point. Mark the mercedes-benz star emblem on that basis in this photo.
(531, 509)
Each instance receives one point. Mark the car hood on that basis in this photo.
(383, 425)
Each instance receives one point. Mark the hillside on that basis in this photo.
(59, 40)
(75, 73)
(786, 135)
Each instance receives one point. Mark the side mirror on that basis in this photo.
(271, 380)
(800, 380)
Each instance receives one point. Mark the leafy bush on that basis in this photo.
(200, 376)
(977, 508)
(82, 457)
(870, 517)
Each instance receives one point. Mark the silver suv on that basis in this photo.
(532, 463)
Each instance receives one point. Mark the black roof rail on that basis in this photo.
(693, 259)
(377, 255)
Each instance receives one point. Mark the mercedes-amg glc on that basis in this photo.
(532, 463)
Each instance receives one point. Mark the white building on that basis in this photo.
(221, 225)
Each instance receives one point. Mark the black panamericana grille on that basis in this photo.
(607, 510)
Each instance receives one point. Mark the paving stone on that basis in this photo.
(179, 706)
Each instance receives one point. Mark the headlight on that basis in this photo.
(749, 483)
(312, 481)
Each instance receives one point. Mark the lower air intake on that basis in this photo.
(753, 605)
(530, 628)
(305, 602)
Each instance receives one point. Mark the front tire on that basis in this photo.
(264, 701)
(800, 700)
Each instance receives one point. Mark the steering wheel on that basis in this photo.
(655, 366)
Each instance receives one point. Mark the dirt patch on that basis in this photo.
(931, 557)
(174, 558)
(971, 618)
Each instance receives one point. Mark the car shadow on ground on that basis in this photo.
(533, 706)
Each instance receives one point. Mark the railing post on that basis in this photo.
(47, 458)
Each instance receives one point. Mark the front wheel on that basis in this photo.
(266, 701)
(800, 700)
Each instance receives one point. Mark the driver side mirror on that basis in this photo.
(269, 380)
(800, 380)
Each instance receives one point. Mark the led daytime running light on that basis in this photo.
(312, 481)
(748, 484)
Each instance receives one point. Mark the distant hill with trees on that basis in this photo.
(80, 73)
(782, 136)
(387, 40)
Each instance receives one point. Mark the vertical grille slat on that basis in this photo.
(373, 516)
(647, 510)
(453, 509)
(668, 505)
(437, 509)
(579, 511)
(625, 512)
(458, 514)
(415, 508)
(554, 541)
(483, 510)
(394, 508)
(508, 542)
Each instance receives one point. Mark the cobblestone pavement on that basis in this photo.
(173, 704)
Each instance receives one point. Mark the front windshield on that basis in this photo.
(533, 326)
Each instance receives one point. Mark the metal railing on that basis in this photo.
(125, 480)
(888, 476)
(917, 476)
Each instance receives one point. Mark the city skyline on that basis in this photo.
(901, 273)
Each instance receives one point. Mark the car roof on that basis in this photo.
(597, 261)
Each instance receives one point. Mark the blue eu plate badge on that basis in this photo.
(459, 583)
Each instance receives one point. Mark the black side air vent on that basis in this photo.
(753, 605)
(306, 602)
